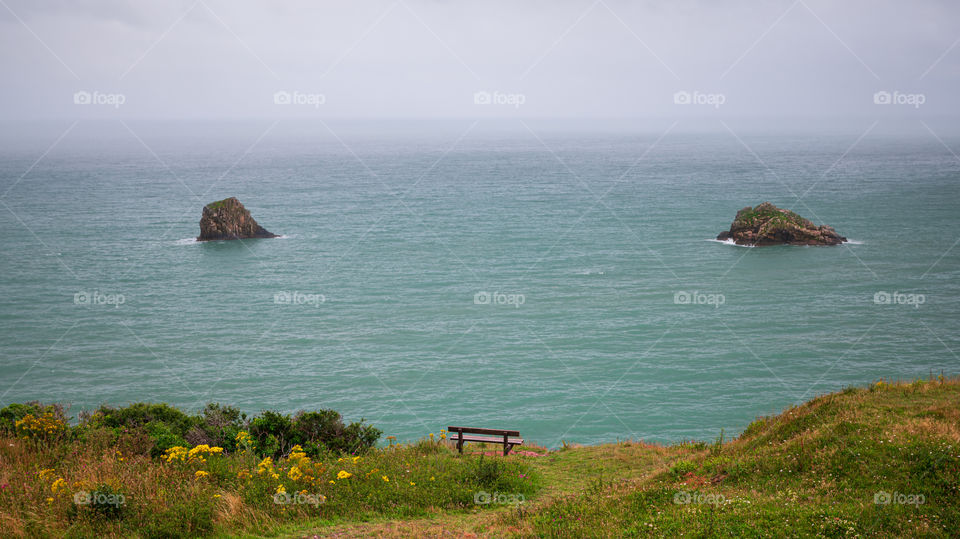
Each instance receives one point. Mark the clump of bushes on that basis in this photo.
(30, 412)
(156, 428)
(150, 470)
(316, 432)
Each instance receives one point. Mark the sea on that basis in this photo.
(557, 279)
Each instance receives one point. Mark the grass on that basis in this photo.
(76, 489)
(217, 204)
(816, 470)
(770, 217)
(882, 461)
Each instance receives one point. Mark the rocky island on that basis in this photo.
(767, 224)
(227, 219)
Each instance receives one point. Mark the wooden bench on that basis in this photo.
(508, 438)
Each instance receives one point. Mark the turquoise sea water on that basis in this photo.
(389, 237)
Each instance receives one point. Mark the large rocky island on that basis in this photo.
(227, 219)
(767, 224)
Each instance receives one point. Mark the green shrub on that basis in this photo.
(163, 437)
(17, 411)
(272, 432)
(682, 468)
(141, 414)
(317, 432)
(221, 424)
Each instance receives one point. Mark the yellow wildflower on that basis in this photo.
(266, 465)
(281, 489)
(34, 426)
(198, 452)
(332, 482)
(43, 473)
(412, 484)
(57, 485)
(49, 500)
(343, 474)
(355, 459)
(176, 453)
(200, 474)
(295, 473)
(297, 454)
(385, 479)
(243, 438)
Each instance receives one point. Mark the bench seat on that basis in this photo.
(486, 439)
(507, 438)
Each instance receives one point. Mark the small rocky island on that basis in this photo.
(227, 219)
(767, 224)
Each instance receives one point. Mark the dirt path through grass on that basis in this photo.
(564, 472)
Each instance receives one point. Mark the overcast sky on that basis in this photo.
(422, 58)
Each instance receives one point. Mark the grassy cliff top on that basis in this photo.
(879, 461)
(882, 461)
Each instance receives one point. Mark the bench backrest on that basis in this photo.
(473, 430)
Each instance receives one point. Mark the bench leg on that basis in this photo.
(506, 449)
